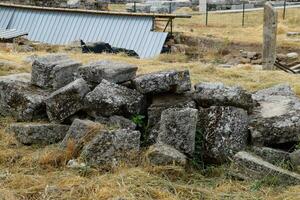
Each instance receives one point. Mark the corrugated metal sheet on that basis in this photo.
(5, 16)
(58, 27)
(11, 33)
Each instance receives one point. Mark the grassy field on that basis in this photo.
(229, 26)
(35, 173)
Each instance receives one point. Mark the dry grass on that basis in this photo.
(229, 26)
(246, 76)
(28, 178)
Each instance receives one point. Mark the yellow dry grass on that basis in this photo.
(24, 176)
(229, 26)
(249, 77)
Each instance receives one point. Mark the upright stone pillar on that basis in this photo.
(202, 6)
(269, 36)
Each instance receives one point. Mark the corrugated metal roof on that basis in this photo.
(59, 27)
(11, 33)
(5, 16)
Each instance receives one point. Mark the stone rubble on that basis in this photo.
(224, 130)
(161, 82)
(66, 101)
(114, 72)
(161, 103)
(106, 114)
(54, 71)
(38, 133)
(110, 146)
(162, 154)
(111, 99)
(256, 168)
(217, 94)
(178, 129)
(21, 100)
(277, 118)
(274, 156)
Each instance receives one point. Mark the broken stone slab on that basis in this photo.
(161, 103)
(277, 118)
(109, 99)
(217, 94)
(275, 156)
(66, 101)
(38, 133)
(178, 129)
(21, 100)
(255, 167)
(116, 122)
(114, 72)
(162, 154)
(224, 131)
(109, 147)
(54, 71)
(160, 82)
(80, 133)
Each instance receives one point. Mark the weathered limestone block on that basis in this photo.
(178, 129)
(38, 133)
(64, 73)
(161, 103)
(224, 131)
(66, 101)
(275, 156)
(114, 72)
(217, 94)
(42, 68)
(80, 133)
(21, 100)
(162, 154)
(161, 82)
(54, 71)
(277, 118)
(111, 146)
(116, 122)
(255, 167)
(109, 99)
(269, 36)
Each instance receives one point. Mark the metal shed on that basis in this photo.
(133, 31)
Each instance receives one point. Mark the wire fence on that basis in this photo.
(243, 16)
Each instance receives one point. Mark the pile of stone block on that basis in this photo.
(94, 108)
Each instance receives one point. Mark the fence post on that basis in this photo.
(284, 9)
(170, 7)
(134, 6)
(206, 15)
(243, 20)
